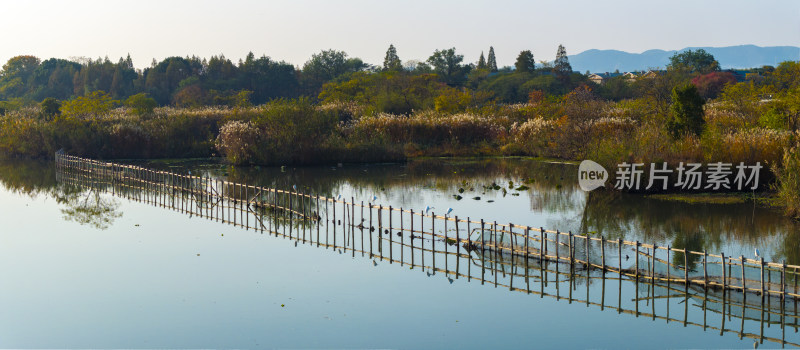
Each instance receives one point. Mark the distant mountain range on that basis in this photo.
(743, 56)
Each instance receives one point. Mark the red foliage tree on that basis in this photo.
(711, 84)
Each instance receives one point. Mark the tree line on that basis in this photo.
(193, 81)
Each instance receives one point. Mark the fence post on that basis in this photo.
(483, 254)
(527, 237)
(783, 281)
(705, 269)
(619, 248)
(542, 244)
(669, 266)
(458, 247)
(653, 265)
(391, 239)
(569, 247)
(762, 277)
(527, 252)
(603, 253)
(744, 281)
(412, 237)
(558, 241)
(724, 275)
(685, 266)
(380, 230)
(636, 256)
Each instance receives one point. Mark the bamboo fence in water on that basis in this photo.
(403, 230)
(504, 255)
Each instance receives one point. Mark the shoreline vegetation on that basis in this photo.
(339, 109)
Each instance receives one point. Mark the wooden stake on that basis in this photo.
(724, 275)
(558, 258)
(619, 248)
(705, 269)
(685, 267)
(636, 256)
(458, 247)
(542, 244)
(762, 277)
(483, 254)
(744, 281)
(370, 229)
(570, 248)
(783, 281)
(603, 253)
(586, 240)
(412, 237)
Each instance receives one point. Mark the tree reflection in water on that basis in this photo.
(550, 187)
(38, 178)
(89, 208)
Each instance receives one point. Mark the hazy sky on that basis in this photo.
(293, 30)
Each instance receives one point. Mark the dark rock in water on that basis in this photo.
(476, 198)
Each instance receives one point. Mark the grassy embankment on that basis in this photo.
(576, 126)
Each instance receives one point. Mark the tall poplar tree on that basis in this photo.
(491, 61)
(482, 62)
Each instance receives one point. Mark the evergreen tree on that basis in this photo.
(129, 62)
(561, 66)
(392, 61)
(525, 62)
(687, 111)
(491, 61)
(481, 62)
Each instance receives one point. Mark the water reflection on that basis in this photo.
(85, 206)
(550, 190)
(88, 207)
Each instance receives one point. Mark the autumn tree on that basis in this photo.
(711, 84)
(525, 62)
(90, 106)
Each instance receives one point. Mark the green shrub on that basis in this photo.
(687, 111)
(50, 107)
(140, 104)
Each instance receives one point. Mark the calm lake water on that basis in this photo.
(89, 269)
